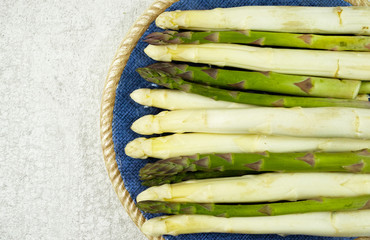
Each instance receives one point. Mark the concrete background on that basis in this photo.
(53, 61)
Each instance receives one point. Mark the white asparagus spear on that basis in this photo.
(334, 224)
(188, 144)
(354, 65)
(340, 20)
(175, 100)
(267, 187)
(299, 122)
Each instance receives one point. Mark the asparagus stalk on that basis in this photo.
(339, 224)
(164, 79)
(267, 187)
(251, 210)
(192, 143)
(263, 81)
(260, 162)
(365, 88)
(184, 176)
(334, 64)
(328, 42)
(176, 100)
(338, 20)
(363, 97)
(298, 122)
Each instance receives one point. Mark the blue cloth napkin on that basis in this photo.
(127, 111)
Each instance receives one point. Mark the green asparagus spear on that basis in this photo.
(192, 175)
(312, 41)
(266, 162)
(263, 81)
(164, 79)
(365, 88)
(264, 209)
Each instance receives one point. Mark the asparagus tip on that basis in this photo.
(159, 53)
(166, 21)
(141, 96)
(163, 38)
(146, 125)
(156, 193)
(166, 67)
(155, 227)
(137, 148)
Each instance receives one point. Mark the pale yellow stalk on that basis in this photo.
(192, 143)
(339, 20)
(298, 122)
(331, 224)
(267, 187)
(351, 65)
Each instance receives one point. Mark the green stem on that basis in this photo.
(365, 88)
(260, 162)
(250, 210)
(164, 79)
(263, 81)
(311, 41)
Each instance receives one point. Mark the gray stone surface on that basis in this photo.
(53, 61)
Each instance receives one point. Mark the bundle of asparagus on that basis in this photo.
(316, 157)
(331, 191)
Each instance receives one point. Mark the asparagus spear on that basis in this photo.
(164, 79)
(334, 64)
(363, 97)
(298, 122)
(365, 88)
(266, 187)
(340, 224)
(184, 176)
(174, 100)
(251, 210)
(339, 20)
(263, 81)
(260, 162)
(192, 143)
(328, 42)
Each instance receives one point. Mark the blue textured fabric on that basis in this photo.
(126, 111)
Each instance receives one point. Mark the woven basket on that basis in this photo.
(108, 100)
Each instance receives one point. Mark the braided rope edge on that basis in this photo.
(108, 99)
(359, 2)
